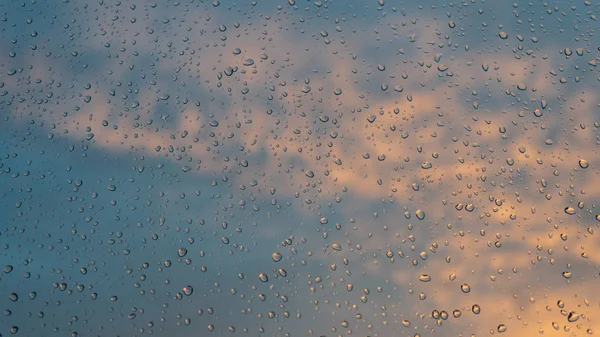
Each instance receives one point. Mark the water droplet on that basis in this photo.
(188, 290)
(276, 257)
(424, 278)
(573, 317)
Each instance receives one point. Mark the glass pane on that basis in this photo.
(299, 168)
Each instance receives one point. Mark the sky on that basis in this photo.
(299, 168)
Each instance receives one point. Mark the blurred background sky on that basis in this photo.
(299, 168)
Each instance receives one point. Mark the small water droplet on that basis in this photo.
(573, 317)
(188, 290)
(276, 257)
(425, 278)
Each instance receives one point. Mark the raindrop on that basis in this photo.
(181, 252)
(276, 257)
(424, 278)
(573, 317)
(188, 290)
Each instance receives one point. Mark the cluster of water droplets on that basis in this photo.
(287, 168)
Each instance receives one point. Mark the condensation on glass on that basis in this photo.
(299, 168)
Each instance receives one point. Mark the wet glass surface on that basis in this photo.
(299, 168)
